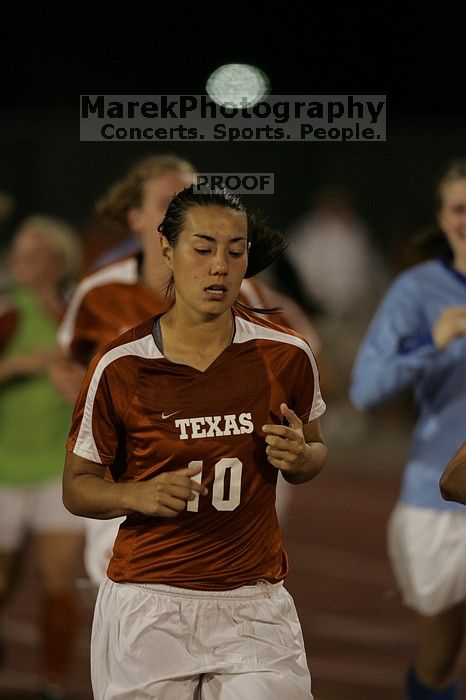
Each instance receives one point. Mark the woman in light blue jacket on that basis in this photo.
(418, 339)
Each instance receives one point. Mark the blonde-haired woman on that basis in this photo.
(43, 261)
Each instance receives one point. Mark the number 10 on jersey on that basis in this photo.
(220, 500)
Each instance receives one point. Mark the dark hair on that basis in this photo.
(266, 244)
(427, 244)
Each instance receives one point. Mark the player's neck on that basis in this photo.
(193, 341)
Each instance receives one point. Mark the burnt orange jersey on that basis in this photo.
(104, 305)
(140, 415)
(111, 300)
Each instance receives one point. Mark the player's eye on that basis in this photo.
(236, 253)
(202, 251)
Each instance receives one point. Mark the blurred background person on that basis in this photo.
(418, 340)
(340, 275)
(43, 261)
(336, 264)
(131, 282)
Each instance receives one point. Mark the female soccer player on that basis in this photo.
(417, 339)
(128, 288)
(194, 413)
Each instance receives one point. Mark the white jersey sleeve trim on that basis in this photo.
(123, 272)
(85, 445)
(246, 330)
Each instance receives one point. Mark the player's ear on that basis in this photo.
(167, 251)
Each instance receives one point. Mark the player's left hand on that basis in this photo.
(285, 444)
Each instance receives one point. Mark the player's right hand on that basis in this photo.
(450, 324)
(167, 494)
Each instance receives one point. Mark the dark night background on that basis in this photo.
(50, 56)
(359, 636)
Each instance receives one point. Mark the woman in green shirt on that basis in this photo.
(34, 422)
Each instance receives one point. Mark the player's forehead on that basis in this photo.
(215, 222)
(454, 192)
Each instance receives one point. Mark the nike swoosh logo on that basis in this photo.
(167, 415)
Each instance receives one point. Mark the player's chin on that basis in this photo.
(218, 306)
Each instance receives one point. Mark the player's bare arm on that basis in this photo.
(25, 365)
(66, 375)
(453, 479)
(86, 492)
(297, 451)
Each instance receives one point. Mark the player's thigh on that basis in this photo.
(265, 685)
(14, 514)
(8, 565)
(441, 637)
(14, 517)
(58, 556)
(58, 537)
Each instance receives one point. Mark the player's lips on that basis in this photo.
(216, 291)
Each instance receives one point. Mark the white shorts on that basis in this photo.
(37, 508)
(427, 548)
(100, 536)
(156, 641)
